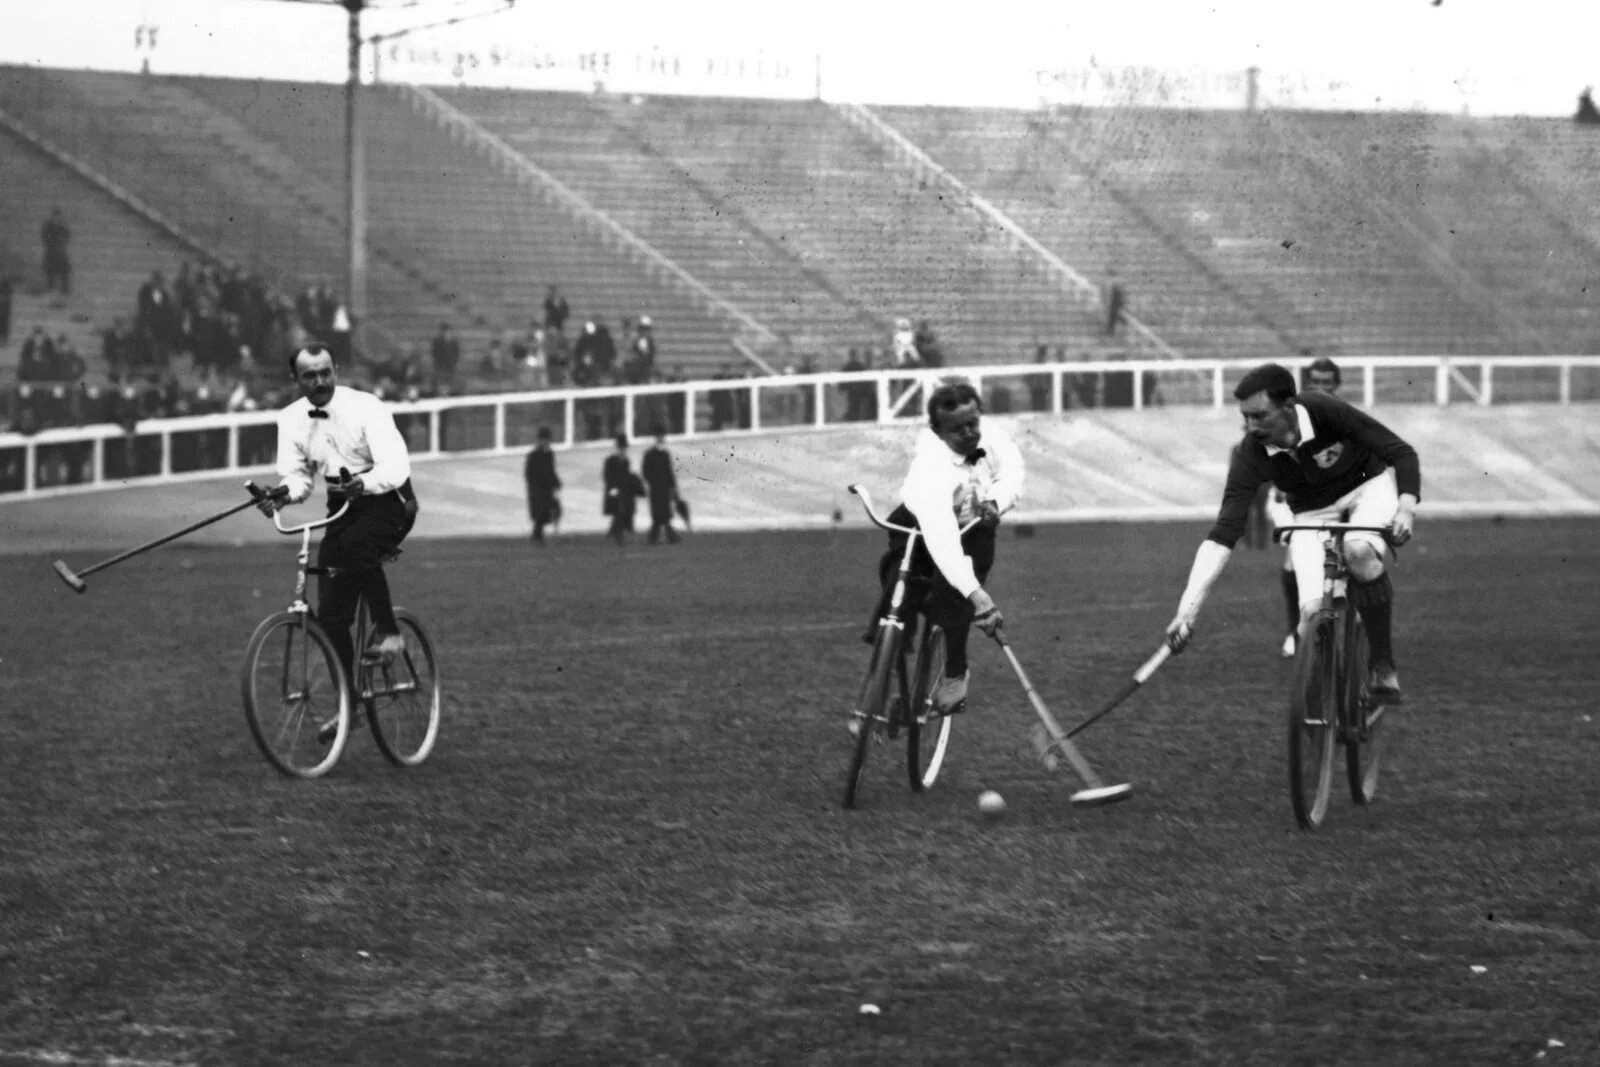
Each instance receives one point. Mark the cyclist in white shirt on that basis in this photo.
(961, 469)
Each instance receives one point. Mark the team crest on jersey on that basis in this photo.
(1330, 455)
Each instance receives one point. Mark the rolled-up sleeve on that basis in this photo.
(391, 464)
(928, 493)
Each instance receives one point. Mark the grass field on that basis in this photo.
(629, 846)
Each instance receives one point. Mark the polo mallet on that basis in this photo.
(1140, 676)
(75, 579)
(1052, 743)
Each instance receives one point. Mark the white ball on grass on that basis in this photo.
(991, 803)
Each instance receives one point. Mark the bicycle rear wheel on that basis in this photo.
(1313, 711)
(927, 733)
(872, 705)
(293, 686)
(1363, 741)
(402, 696)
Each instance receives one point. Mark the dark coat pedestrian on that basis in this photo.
(623, 488)
(544, 486)
(661, 483)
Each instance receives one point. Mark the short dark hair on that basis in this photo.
(310, 348)
(1325, 366)
(1272, 378)
(544, 433)
(949, 396)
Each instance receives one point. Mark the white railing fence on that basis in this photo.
(104, 456)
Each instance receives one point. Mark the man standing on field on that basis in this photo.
(1333, 463)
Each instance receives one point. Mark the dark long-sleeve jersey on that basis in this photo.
(1346, 447)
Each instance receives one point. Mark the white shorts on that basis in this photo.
(1372, 503)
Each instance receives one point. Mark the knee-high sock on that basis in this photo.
(1291, 601)
(1375, 602)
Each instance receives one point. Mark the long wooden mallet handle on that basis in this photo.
(1140, 676)
(1058, 739)
(76, 580)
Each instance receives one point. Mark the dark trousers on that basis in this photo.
(621, 523)
(356, 548)
(661, 518)
(927, 591)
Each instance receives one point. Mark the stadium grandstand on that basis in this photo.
(749, 237)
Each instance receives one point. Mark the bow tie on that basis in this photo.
(972, 460)
(319, 413)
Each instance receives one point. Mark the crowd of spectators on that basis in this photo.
(542, 356)
(209, 340)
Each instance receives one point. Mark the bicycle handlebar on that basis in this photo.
(866, 503)
(277, 516)
(1329, 527)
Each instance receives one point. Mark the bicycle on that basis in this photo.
(297, 697)
(890, 701)
(1329, 703)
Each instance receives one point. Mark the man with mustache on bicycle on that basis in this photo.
(960, 470)
(1333, 462)
(329, 429)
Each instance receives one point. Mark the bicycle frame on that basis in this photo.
(1356, 715)
(897, 598)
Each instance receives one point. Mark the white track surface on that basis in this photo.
(1161, 465)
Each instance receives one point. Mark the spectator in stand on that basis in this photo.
(36, 362)
(5, 308)
(69, 366)
(556, 311)
(338, 335)
(1116, 302)
(446, 353)
(158, 316)
(858, 396)
(904, 344)
(493, 364)
(643, 363)
(586, 360)
(25, 419)
(929, 354)
(56, 236)
(557, 359)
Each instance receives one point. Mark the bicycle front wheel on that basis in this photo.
(1363, 742)
(295, 697)
(927, 732)
(871, 710)
(402, 696)
(1313, 718)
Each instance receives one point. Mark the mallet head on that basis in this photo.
(1106, 794)
(77, 584)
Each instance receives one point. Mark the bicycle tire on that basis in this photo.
(286, 706)
(1312, 723)
(402, 696)
(1363, 746)
(871, 705)
(927, 739)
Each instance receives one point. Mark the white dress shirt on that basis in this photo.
(943, 491)
(359, 435)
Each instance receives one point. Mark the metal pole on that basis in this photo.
(356, 181)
